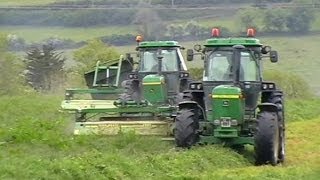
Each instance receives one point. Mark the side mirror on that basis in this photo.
(273, 56)
(189, 55)
(265, 49)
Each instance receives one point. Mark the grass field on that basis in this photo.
(26, 2)
(38, 145)
(36, 34)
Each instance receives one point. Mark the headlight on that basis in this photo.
(216, 122)
(271, 86)
(264, 86)
(234, 122)
(192, 86)
(268, 86)
(184, 75)
(199, 86)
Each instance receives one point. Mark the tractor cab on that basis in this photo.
(234, 61)
(158, 60)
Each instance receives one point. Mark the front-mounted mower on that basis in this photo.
(233, 106)
(147, 100)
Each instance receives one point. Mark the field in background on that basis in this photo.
(36, 34)
(26, 2)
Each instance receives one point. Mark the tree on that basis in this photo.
(149, 23)
(300, 19)
(11, 68)
(45, 68)
(247, 18)
(94, 51)
(275, 20)
(172, 30)
(193, 28)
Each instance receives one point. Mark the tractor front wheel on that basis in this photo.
(186, 126)
(131, 91)
(267, 138)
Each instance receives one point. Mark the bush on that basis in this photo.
(11, 71)
(196, 73)
(292, 85)
(94, 51)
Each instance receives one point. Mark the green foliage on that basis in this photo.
(196, 73)
(300, 19)
(11, 69)
(39, 144)
(293, 20)
(193, 28)
(292, 85)
(302, 109)
(274, 20)
(45, 68)
(247, 18)
(94, 51)
(175, 31)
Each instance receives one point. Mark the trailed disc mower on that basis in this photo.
(146, 100)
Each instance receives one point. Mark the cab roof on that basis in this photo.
(148, 44)
(232, 41)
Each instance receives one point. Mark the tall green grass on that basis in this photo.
(36, 143)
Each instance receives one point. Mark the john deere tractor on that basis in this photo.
(147, 99)
(232, 105)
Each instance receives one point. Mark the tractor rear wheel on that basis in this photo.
(186, 126)
(267, 139)
(277, 99)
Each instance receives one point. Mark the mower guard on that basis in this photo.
(142, 119)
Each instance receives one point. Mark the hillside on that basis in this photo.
(51, 152)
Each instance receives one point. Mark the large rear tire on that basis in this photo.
(277, 99)
(267, 139)
(186, 126)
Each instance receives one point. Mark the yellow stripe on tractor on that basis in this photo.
(152, 83)
(226, 96)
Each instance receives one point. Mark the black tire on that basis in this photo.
(184, 96)
(186, 126)
(277, 99)
(267, 139)
(187, 96)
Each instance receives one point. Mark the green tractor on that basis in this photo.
(232, 105)
(146, 100)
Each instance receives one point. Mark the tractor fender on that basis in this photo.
(188, 105)
(270, 107)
